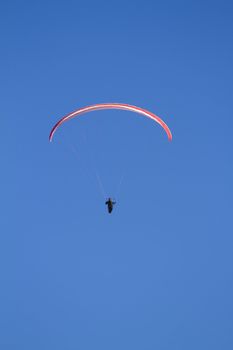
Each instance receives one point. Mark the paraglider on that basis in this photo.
(102, 106)
(110, 203)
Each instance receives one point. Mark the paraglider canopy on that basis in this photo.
(121, 106)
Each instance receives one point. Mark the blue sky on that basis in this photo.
(157, 273)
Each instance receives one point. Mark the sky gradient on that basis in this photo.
(158, 272)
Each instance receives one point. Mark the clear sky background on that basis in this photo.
(158, 272)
